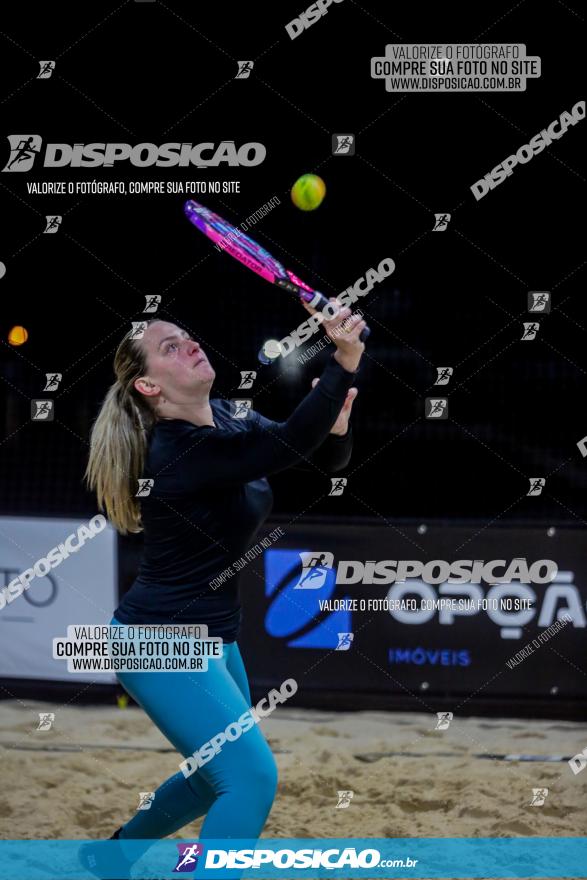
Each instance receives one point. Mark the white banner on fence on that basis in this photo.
(69, 571)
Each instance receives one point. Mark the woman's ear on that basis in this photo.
(146, 387)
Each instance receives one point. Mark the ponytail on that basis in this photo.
(118, 441)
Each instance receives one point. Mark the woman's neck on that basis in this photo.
(199, 414)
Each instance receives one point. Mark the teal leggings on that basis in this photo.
(236, 788)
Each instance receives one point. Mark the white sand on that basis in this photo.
(90, 792)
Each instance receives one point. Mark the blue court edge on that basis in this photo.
(447, 857)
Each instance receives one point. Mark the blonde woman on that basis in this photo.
(209, 497)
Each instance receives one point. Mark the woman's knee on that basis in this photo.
(260, 779)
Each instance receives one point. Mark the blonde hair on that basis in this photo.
(119, 437)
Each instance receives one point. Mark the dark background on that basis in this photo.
(164, 71)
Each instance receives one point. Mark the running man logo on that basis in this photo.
(315, 567)
(244, 69)
(443, 720)
(187, 858)
(146, 799)
(46, 68)
(53, 380)
(444, 374)
(138, 329)
(436, 408)
(42, 410)
(247, 379)
(46, 719)
(539, 301)
(53, 223)
(152, 302)
(539, 795)
(338, 485)
(144, 489)
(441, 222)
(241, 408)
(531, 329)
(296, 618)
(24, 149)
(345, 641)
(344, 799)
(343, 145)
(537, 484)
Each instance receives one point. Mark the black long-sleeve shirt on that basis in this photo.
(210, 496)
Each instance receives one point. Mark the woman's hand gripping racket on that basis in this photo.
(247, 251)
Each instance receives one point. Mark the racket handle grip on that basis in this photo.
(319, 302)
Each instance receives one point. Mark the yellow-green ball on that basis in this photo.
(308, 192)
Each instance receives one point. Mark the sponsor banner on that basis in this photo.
(52, 571)
(302, 857)
(442, 628)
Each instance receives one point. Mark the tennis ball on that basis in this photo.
(308, 192)
(18, 335)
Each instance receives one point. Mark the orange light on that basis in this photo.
(18, 335)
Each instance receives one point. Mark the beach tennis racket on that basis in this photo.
(252, 255)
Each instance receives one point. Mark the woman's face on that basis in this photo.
(176, 365)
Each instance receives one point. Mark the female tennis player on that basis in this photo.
(208, 499)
